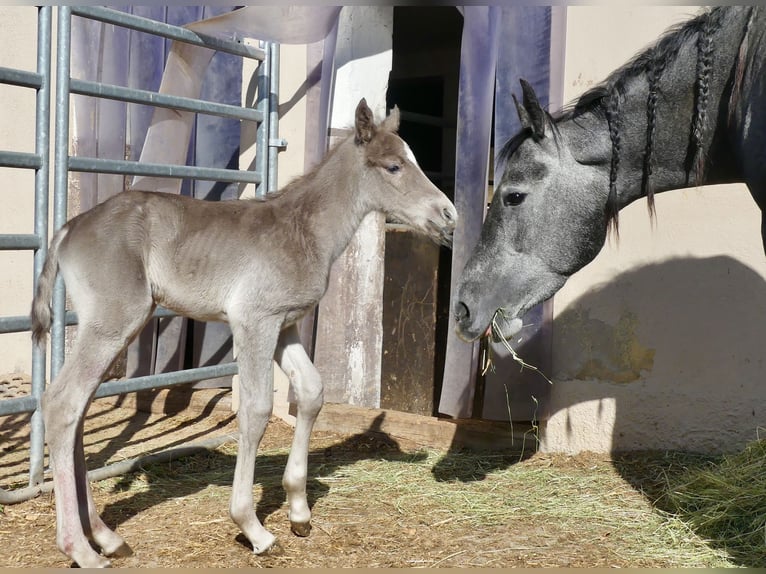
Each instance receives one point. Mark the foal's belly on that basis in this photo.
(195, 296)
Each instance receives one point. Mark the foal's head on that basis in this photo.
(394, 182)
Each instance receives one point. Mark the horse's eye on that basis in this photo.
(393, 168)
(513, 198)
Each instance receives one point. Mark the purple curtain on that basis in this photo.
(500, 44)
(474, 123)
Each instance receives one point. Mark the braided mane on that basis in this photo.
(605, 100)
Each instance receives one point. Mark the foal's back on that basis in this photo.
(189, 255)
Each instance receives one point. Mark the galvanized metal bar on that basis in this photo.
(19, 405)
(167, 31)
(18, 495)
(161, 312)
(273, 116)
(22, 78)
(20, 159)
(22, 323)
(262, 132)
(119, 387)
(100, 165)
(148, 97)
(42, 149)
(19, 241)
(161, 380)
(61, 175)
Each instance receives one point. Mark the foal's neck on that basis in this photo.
(333, 200)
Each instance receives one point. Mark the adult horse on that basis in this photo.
(687, 111)
(258, 265)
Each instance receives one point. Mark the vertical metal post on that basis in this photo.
(273, 115)
(262, 132)
(42, 149)
(61, 175)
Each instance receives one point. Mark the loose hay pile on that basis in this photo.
(725, 502)
(381, 502)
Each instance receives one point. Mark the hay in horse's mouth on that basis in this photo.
(495, 332)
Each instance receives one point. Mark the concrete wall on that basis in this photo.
(658, 343)
(18, 49)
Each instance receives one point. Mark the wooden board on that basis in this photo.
(422, 431)
(427, 431)
(409, 323)
(349, 334)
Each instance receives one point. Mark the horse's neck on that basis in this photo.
(673, 150)
(332, 198)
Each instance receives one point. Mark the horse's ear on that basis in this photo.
(526, 121)
(364, 123)
(531, 113)
(391, 123)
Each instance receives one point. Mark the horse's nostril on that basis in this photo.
(447, 213)
(461, 312)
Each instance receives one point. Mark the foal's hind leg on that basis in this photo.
(111, 543)
(255, 340)
(64, 406)
(307, 384)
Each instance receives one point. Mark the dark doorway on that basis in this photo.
(424, 85)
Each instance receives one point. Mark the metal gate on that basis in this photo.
(264, 176)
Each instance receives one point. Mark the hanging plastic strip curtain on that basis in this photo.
(186, 65)
(500, 44)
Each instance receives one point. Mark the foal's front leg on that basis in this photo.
(255, 345)
(307, 384)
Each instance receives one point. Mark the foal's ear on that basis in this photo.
(531, 113)
(364, 123)
(391, 123)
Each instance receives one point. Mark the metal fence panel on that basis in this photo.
(267, 144)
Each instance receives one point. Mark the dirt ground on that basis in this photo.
(375, 502)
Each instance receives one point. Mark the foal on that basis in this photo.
(258, 265)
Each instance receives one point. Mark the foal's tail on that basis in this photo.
(41, 304)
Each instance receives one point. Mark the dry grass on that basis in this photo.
(725, 502)
(376, 502)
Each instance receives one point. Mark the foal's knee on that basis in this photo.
(311, 395)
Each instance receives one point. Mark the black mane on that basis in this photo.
(664, 50)
(604, 100)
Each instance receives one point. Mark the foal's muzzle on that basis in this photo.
(445, 228)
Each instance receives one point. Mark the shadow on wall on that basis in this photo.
(670, 356)
(667, 357)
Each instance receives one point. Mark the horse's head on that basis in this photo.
(546, 220)
(394, 182)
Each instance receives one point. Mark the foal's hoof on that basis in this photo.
(122, 551)
(266, 545)
(301, 529)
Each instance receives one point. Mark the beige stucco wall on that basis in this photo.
(658, 343)
(18, 49)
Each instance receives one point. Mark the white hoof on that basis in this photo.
(264, 543)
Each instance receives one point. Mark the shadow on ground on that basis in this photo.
(717, 500)
(194, 473)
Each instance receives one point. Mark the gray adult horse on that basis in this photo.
(258, 265)
(689, 110)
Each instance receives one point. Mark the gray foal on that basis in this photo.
(259, 265)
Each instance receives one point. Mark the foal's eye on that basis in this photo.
(513, 198)
(393, 168)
